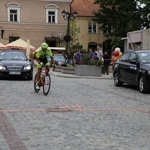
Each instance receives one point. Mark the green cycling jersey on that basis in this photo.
(40, 54)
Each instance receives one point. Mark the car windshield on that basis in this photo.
(12, 56)
(144, 57)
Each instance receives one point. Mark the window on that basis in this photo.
(125, 57)
(133, 56)
(51, 13)
(13, 12)
(92, 27)
(12, 38)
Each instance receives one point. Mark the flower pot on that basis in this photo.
(88, 70)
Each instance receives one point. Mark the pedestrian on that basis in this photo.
(95, 56)
(106, 63)
(68, 57)
(91, 53)
(99, 51)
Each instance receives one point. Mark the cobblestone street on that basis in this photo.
(78, 114)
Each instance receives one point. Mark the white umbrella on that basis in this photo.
(2, 46)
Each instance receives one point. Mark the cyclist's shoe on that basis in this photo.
(37, 86)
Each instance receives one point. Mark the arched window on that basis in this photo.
(13, 11)
(51, 13)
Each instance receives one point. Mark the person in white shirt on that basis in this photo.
(99, 52)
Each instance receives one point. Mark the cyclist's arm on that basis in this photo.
(50, 57)
(36, 56)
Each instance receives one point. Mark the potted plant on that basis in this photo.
(88, 67)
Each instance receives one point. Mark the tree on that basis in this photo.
(118, 17)
(145, 11)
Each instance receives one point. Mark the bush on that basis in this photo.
(88, 61)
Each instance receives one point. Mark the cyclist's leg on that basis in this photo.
(39, 68)
(47, 69)
(38, 74)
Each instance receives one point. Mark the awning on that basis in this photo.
(134, 37)
(57, 48)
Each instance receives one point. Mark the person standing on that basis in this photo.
(100, 54)
(107, 61)
(91, 53)
(99, 51)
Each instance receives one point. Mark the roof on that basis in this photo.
(21, 44)
(84, 7)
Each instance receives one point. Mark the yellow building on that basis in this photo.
(90, 34)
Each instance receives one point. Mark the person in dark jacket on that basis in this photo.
(106, 64)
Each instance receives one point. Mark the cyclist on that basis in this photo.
(44, 58)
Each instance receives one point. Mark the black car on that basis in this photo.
(133, 67)
(15, 63)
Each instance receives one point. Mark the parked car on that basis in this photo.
(15, 63)
(133, 67)
(59, 59)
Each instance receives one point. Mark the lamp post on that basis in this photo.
(67, 16)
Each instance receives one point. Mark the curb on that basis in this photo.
(60, 74)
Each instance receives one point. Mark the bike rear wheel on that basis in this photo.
(36, 90)
(47, 84)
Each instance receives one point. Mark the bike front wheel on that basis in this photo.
(47, 84)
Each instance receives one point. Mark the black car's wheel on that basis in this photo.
(143, 87)
(117, 81)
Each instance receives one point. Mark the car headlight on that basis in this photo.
(2, 67)
(28, 67)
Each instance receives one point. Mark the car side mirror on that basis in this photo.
(133, 62)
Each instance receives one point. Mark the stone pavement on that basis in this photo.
(78, 114)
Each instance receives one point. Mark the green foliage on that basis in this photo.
(119, 17)
(88, 61)
(77, 46)
(74, 30)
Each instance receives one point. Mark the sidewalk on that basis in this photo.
(65, 75)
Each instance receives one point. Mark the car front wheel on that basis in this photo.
(143, 87)
(117, 81)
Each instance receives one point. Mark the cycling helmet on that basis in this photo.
(44, 45)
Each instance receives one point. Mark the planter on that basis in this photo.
(67, 70)
(88, 70)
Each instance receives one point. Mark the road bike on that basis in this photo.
(45, 81)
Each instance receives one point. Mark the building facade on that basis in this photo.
(36, 20)
(90, 33)
(137, 40)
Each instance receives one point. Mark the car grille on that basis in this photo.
(14, 67)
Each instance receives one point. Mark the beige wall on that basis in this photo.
(32, 23)
(84, 36)
(146, 39)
